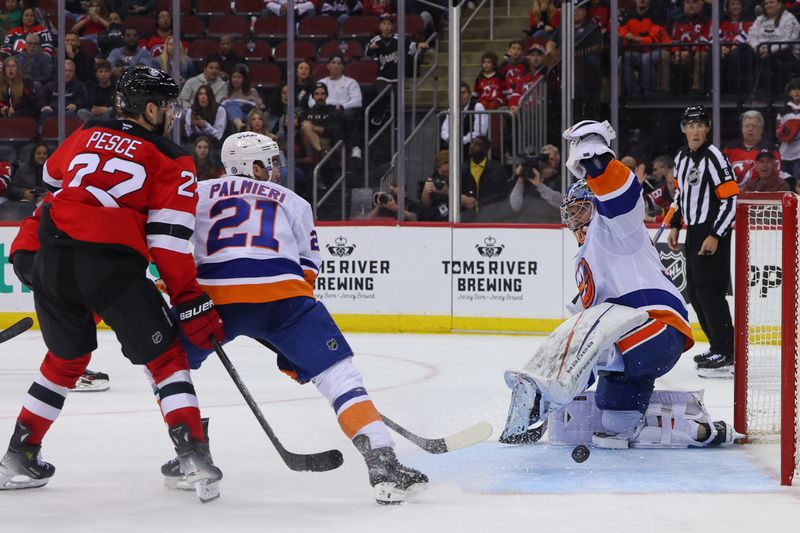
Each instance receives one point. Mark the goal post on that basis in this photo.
(766, 401)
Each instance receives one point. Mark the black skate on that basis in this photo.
(726, 435)
(171, 470)
(716, 365)
(393, 482)
(702, 356)
(22, 466)
(195, 464)
(91, 381)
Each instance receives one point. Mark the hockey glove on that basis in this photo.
(23, 266)
(199, 321)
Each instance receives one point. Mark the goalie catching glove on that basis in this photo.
(199, 320)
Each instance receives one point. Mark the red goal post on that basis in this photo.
(766, 401)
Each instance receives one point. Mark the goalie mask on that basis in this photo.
(588, 139)
(241, 150)
(577, 209)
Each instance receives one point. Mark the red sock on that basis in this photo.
(176, 394)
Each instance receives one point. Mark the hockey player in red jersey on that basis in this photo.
(125, 194)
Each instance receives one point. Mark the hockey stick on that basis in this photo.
(15, 329)
(468, 437)
(314, 462)
(664, 221)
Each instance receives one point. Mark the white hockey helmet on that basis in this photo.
(587, 139)
(241, 150)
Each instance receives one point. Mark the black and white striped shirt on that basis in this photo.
(706, 189)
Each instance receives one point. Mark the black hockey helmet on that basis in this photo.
(140, 84)
(695, 113)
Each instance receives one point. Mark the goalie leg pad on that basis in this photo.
(527, 410)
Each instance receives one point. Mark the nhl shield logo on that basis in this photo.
(490, 248)
(157, 337)
(694, 176)
(341, 248)
(332, 345)
(675, 267)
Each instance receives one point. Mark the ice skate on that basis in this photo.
(393, 482)
(22, 466)
(527, 420)
(716, 366)
(702, 356)
(171, 470)
(92, 381)
(726, 435)
(196, 464)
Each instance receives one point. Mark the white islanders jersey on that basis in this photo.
(254, 241)
(618, 263)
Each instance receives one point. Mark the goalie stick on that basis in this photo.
(313, 462)
(467, 437)
(15, 329)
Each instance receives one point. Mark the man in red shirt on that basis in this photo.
(125, 194)
(742, 153)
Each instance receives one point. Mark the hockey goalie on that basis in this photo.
(632, 329)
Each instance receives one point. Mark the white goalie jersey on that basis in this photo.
(617, 262)
(254, 241)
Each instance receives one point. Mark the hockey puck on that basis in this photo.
(580, 453)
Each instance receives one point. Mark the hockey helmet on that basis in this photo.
(695, 113)
(140, 85)
(241, 150)
(577, 207)
(587, 139)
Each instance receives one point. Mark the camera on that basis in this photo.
(438, 183)
(530, 161)
(381, 198)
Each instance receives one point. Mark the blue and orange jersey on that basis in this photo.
(617, 262)
(254, 241)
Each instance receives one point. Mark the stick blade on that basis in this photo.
(315, 462)
(468, 437)
(15, 329)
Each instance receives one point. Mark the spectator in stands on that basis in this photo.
(321, 125)
(434, 192)
(111, 37)
(630, 162)
(532, 200)
(733, 28)
(35, 64)
(523, 83)
(102, 94)
(341, 10)
(514, 66)
(483, 181)
(303, 160)
(490, 87)
(787, 128)
(689, 60)
(345, 95)
(205, 163)
(210, 76)
(164, 60)
(658, 200)
(600, 15)
(303, 84)
(774, 60)
(256, 122)
(378, 7)
(11, 17)
(302, 8)
(206, 117)
(94, 21)
(767, 175)
(386, 205)
(276, 111)
(5, 180)
(742, 153)
(241, 97)
(155, 44)
(15, 40)
(84, 64)
(544, 18)
(228, 57)
(472, 125)
(75, 94)
(550, 166)
(17, 95)
(641, 25)
(127, 8)
(27, 184)
(129, 55)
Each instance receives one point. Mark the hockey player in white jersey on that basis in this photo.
(257, 256)
(633, 327)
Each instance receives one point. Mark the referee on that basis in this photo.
(706, 199)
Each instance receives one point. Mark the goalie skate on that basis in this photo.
(22, 466)
(527, 414)
(195, 464)
(394, 482)
(91, 381)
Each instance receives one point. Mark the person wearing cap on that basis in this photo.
(321, 125)
(706, 200)
(520, 84)
(766, 175)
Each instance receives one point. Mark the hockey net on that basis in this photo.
(766, 392)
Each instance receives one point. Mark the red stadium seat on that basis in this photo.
(208, 8)
(202, 48)
(302, 50)
(414, 24)
(319, 70)
(166, 5)
(229, 25)
(318, 28)
(359, 27)
(145, 25)
(192, 26)
(50, 127)
(272, 29)
(17, 130)
(248, 7)
(265, 75)
(354, 50)
(260, 50)
(364, 72)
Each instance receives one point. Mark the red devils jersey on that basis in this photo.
(490, 90)
(512, 71)
(121, 185)
(687, 31)
(743, 159)
(521, 85)
(734, 32)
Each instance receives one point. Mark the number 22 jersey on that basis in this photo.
(255, 241)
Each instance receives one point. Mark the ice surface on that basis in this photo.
(108, 447)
